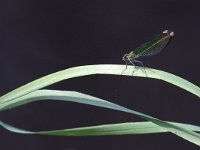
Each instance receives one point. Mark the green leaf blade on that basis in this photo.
(129, 128)
(91, 100)
(99, 69)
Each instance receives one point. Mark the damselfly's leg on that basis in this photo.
(125, 68)
(132, 63)
(137, 61)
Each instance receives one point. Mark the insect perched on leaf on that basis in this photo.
(148, 49)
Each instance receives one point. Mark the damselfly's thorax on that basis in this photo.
(129, 56)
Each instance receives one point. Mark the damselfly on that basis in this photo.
(148, 49)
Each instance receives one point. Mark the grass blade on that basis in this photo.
(108, 129)
(99, 69)
(91, 100)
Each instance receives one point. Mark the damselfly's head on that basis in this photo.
(125, 58)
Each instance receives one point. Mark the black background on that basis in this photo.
(41, 37)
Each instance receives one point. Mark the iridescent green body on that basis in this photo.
(149, 48)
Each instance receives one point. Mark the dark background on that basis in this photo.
(41, 37)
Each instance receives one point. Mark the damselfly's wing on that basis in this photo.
(156, 45)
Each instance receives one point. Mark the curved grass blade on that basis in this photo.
(91, 100)
(99, 69)
(104, 130)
